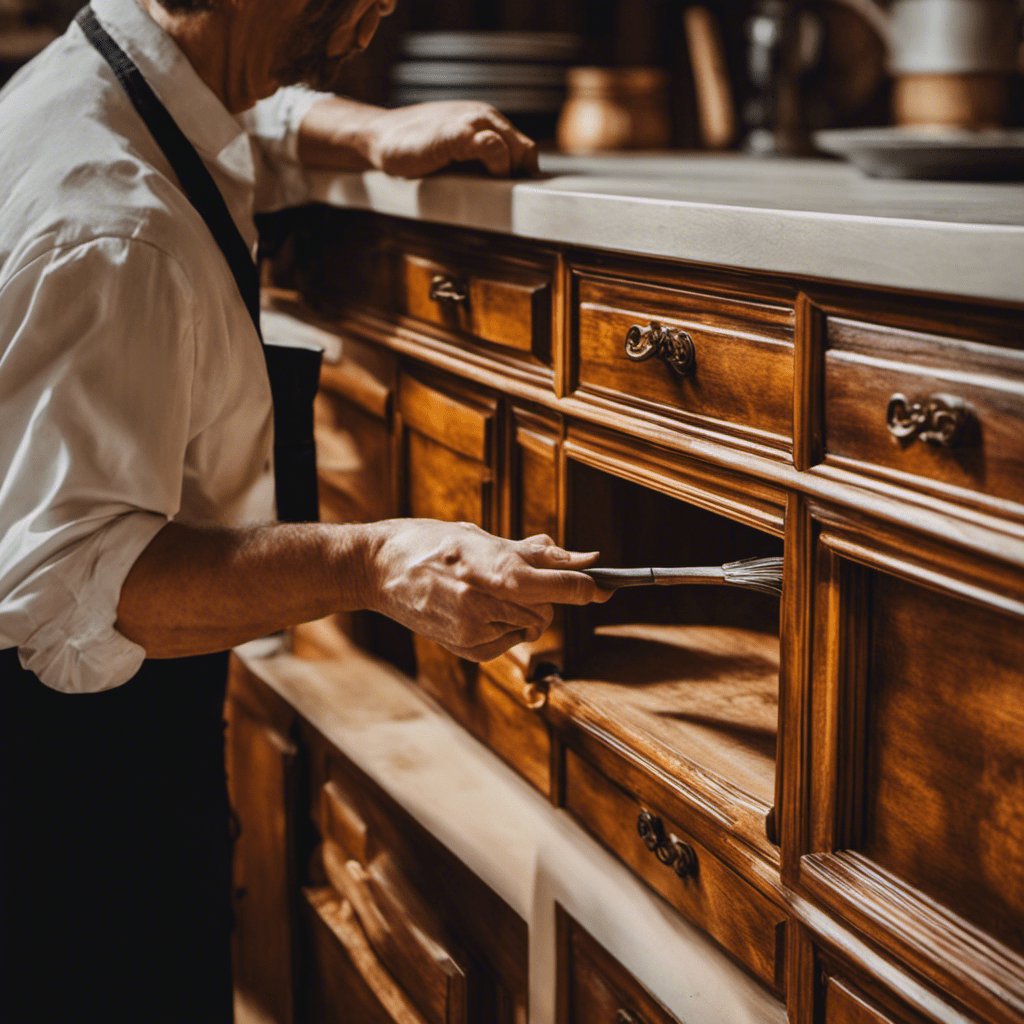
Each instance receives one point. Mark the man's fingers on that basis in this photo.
(489, 651)
(487, 146)
(543, 553)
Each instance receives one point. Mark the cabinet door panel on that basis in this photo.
(844, 1005)
(449, 445)
(347, 983)
(596, 988)
(945, 746)
(261, 770)
(446, 485)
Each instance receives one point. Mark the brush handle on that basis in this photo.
(761, 574)
(615, 579)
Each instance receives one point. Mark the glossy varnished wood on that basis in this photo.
(866, 364)
(743, 375)
(944, 790)
(506, 306)
(262, 779)
(857, 816)
(594, 988)
(715, 898)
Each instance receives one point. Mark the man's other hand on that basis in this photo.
(473, 593)
(413, 141)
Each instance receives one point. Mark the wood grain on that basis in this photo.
(457, 423)
(512, 310)
(845, 1005)
(351, 983)
(261, 767)
(744, 368)
(945, 753)
(594, 987)
(403, 933)
(717, 900)
(866, 365)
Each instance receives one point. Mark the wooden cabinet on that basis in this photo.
(594, 988)
(828, 783)
(262, 782)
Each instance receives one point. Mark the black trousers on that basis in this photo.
(115, 849)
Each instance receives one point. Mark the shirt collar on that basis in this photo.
(201, 116)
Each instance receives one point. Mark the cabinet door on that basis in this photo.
(450, 458)
(918, 777)
(261, 776)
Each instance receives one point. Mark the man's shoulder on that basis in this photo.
(77, 164)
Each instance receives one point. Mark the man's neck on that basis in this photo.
(204, 39)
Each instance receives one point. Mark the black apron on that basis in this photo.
(115, 843)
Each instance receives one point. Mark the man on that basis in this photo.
(136, 458)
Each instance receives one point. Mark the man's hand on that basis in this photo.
(413, 141)
(198, 590)
(418, 140)
(475, 594)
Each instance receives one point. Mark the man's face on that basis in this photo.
(326, 34)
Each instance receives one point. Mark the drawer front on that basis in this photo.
(517, 734)
(503, 305)
(726, 361)
(685, 873)
(595, 988)
(930, 407)
(845, 1005)
(449, 455)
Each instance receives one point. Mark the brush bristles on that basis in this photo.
(761, 574)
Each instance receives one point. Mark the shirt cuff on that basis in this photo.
(274, 122)
(77, 649)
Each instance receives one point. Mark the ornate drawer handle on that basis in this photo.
(444, 288)
(671, 345)
(669, 850)
(940, 419)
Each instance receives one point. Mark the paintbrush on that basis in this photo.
(761, 574)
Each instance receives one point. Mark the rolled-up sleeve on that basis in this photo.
(273, 124)
(97, 366)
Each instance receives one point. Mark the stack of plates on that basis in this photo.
(521, 73)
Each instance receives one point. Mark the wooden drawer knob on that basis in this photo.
(939, 419)
(444, 288)
(671, 345)
(670, 851)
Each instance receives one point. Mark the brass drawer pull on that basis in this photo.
(669, 850)
(671, 345)
(940, 419)
(444, 288)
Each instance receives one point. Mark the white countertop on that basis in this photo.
(809, 218)
(529, 853)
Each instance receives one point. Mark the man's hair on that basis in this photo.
(185, 6)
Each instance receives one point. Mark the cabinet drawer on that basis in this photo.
(503, 304)
(595, 988)
(905, 404)
(845, 1005)
(723, 360)
(684, 872)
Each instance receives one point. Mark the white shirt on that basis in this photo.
(133, 389)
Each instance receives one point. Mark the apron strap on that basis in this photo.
(294, 373)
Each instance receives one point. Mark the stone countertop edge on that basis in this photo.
(528, 852)
(811, 219)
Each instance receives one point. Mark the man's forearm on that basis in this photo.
(194, 591)
(334, 132)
